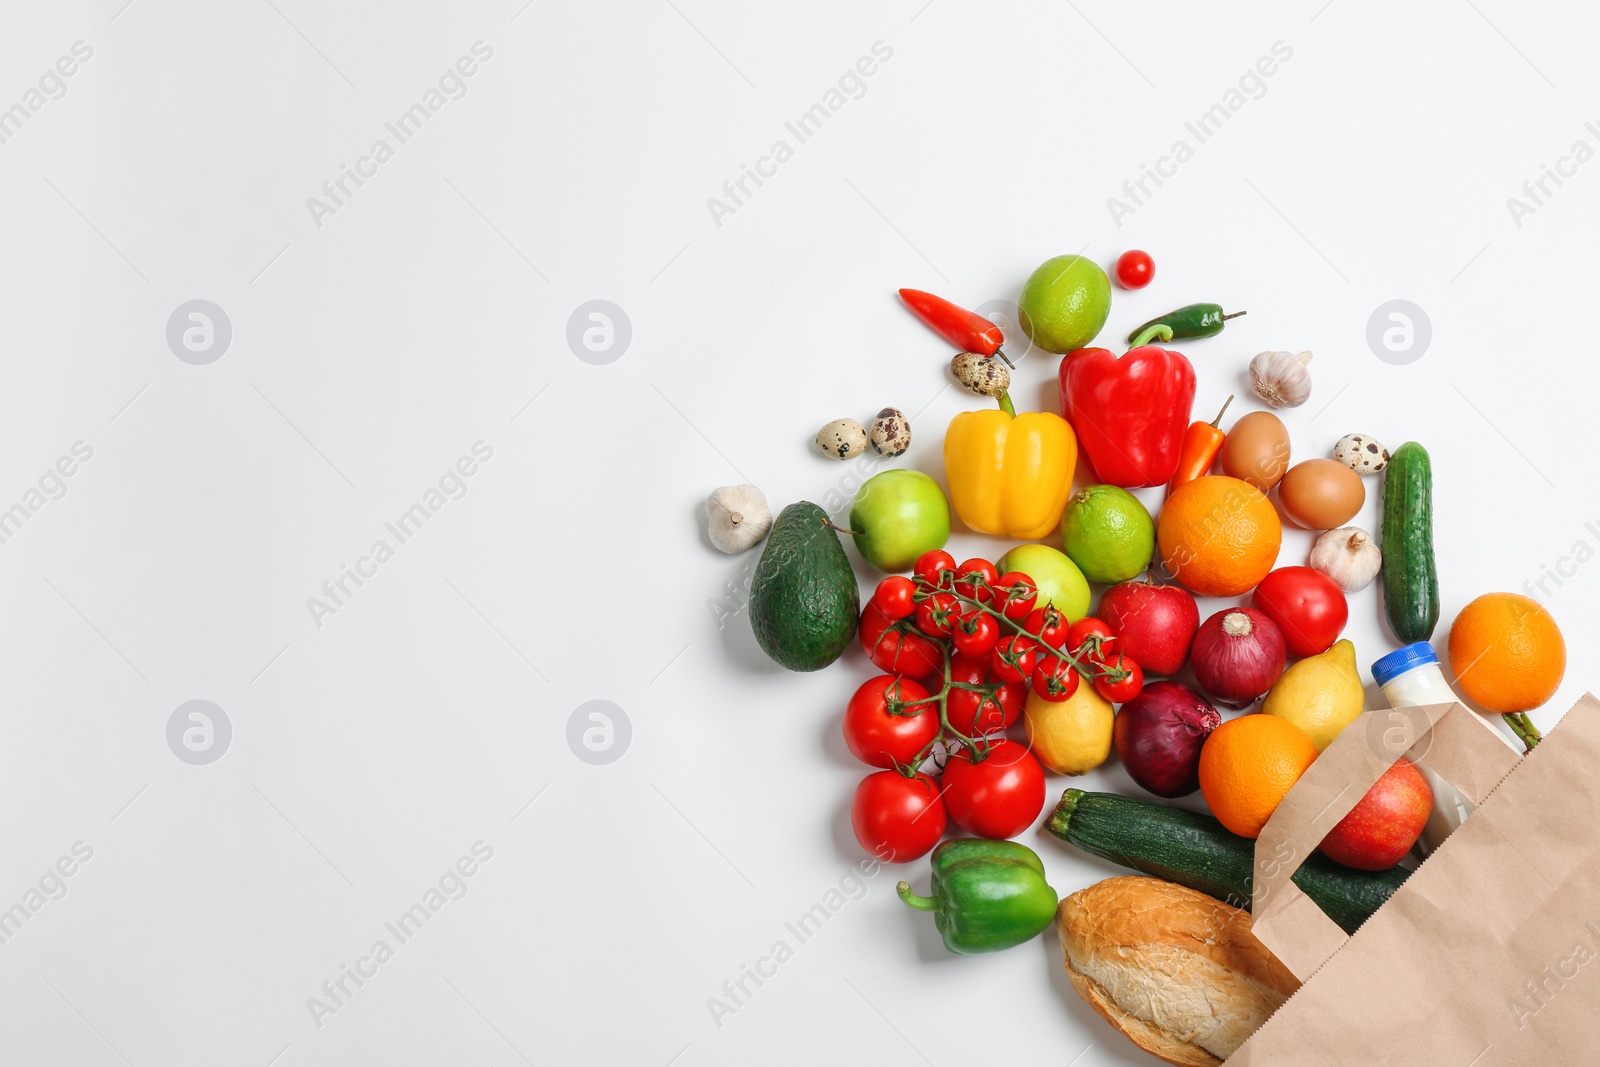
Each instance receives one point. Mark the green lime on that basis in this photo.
(1064, 303)
(1107, 533)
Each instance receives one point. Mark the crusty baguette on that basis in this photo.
(1176, 971)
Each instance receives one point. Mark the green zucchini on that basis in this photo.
(1410, 579)
(1197, 851)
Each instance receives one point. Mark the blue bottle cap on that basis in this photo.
(1402, 660)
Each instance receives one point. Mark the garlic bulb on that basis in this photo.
(1348, 556)
(1281, 378)
(737, 517)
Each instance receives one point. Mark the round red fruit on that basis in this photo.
(968, 574)
(1014, 595)
(1135, 269)
(975, 713)
(1014, 658)
(975, 634)
(998, 795)
(894, 596)
(886, 724)
(1155, 624)
(1308, 606)
(1123, 681)
(897, 818)
(932, 565)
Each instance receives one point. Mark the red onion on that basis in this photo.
(1237, 654)
(1158, 735)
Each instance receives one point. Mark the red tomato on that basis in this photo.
(932, 564)
(937, 614)
(997, 796)
(1055, 680)
(897, 818)
(1048, 625)
(1014, 595)
(894, 596)
(974, 714)
(1084, 629)
(1135, 269)
(1308, 606)
(975, 634)
(880, 730)
(1124, 688)
(980, 568)
(894, 650)
(1014, 658)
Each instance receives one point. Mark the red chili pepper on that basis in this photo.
(1129, 413)
(967, 330)
(1201, 444)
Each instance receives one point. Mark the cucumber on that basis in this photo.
(1198, 851)
(1410, 579)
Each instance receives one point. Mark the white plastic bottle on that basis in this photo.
(1411, 677)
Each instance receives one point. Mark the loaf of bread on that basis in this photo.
(1175, 970)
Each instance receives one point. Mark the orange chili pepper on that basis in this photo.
(1201, 443)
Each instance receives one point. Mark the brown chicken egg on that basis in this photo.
(1256, 450)
(1321, 494)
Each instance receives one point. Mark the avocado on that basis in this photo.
(804, 604)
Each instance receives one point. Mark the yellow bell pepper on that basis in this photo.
(1010, 475)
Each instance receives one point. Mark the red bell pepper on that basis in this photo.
(1129, 413)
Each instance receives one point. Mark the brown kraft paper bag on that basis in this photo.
(1489, 954)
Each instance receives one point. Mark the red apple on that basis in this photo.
(1385, 824)
(1155, 623)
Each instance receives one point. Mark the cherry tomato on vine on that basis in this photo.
(1015, 594)
(976, 567)
(937, 614)
(1125, 688)
(997, 796)
(1055, 679)
(932, 564)
(881, 730)
(897, 818)
(975, 633)
(894, 596)
(895, 650)
(1049, 626)
(1135, 269)
(1014, 658)
(1085, 628)
(974, 713)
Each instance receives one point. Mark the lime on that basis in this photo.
(1064, 303)
(1107, 533)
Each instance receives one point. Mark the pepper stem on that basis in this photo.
(1235, 315)
(1006, 405)
(1216, 422)
(920, 903)
(1001, 353)
(1154, 330)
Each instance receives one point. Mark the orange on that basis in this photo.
(1219, 536)
(1248, 764)
(1507, 652)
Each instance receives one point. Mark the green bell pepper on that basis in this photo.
(985, 895)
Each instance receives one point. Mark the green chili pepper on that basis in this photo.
(985, 895)
(1191, 320)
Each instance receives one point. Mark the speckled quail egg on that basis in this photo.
(983, 375)
(891, 432)
(1362, 454)
(842, 439)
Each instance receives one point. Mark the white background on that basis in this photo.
(371, 752)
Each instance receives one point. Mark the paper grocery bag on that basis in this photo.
(1489, 954)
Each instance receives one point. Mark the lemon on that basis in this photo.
(1321, 694)
(1071, 736)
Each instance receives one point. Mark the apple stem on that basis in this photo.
(842, 529)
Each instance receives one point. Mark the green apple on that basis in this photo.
(1064, 303)
(898, 515)
(1058, 578)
